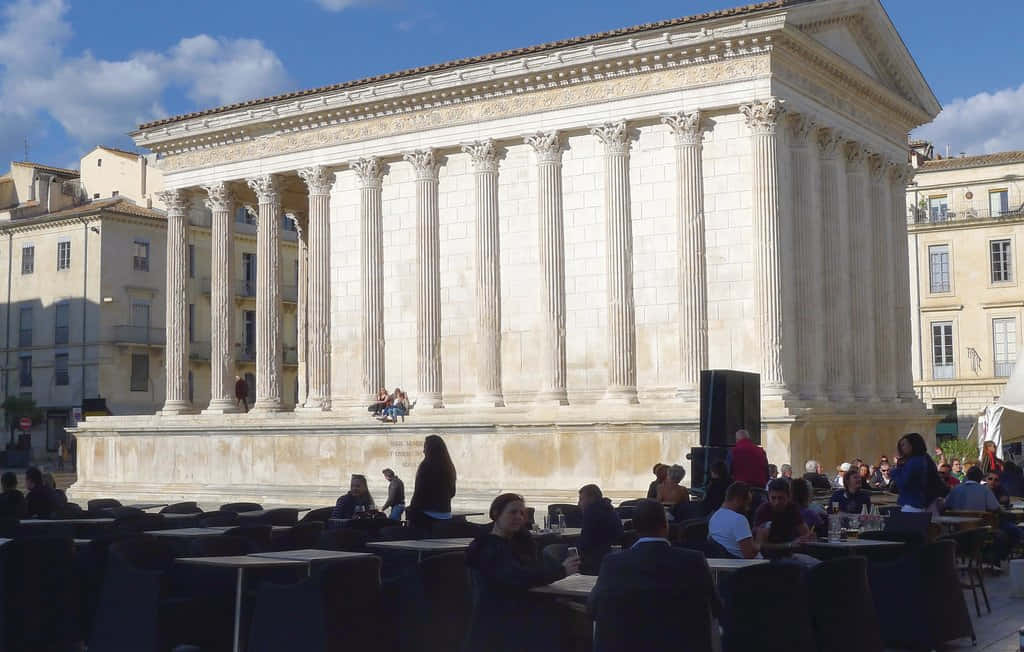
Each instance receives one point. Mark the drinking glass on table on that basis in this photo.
(835, 527)
(573, 553)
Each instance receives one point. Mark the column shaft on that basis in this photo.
(487, 258)
(861, 309)
(371, 280)
(881, 204)
(693, 308)
(318, 181)
(302, 309)
(268, 295)
(428, 279)
(551, 238)
(835, 299)
(761, 118)
(619, 253)
(176, 397)
(900, 269)
(222, 304)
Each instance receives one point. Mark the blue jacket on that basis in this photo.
(916, 480)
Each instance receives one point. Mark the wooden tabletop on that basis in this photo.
(575, 586)
(424, 545)
(310, 554)
(240, 561)
(956, 520)
(188, 532)
(67, 521)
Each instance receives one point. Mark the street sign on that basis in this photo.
(25, 423)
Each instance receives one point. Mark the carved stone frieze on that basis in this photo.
(475, 111)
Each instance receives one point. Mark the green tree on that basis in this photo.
(963, 449)
(17, 406)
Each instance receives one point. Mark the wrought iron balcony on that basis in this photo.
(247, 289)
(143, 335)
(923, 216)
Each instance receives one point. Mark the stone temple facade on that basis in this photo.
(544, 247)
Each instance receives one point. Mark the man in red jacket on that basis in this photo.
(748, 461)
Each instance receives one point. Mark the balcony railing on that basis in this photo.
(139, 335)
(923, 216)
(1003, 369)
(247, 289)
(942, 371)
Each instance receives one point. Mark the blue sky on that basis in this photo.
(75, 73)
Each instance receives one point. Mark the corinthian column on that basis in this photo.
(807, 237)
(268, 295)
(222, 309)
(900, 268)
(318, 181)
(176, 396)
(761, 118)
(301, 307)
(862, 308)
(552, 266)
(693, 307)
(619, 243)
(487, 255)
(371, 259)
(881, 243)
(428, 278)
(835, 299)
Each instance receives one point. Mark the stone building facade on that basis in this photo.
(546, 246)
(965, 220)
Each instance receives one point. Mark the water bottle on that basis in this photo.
(561, 522)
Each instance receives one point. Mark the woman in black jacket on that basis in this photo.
(435, 486)
(505, 566)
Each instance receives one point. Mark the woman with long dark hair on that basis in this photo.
(505, 566)
(916, 476)
(989, 460)
(435, 486)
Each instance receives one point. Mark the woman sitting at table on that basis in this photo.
(813, 515)
(671, 492)
(504, 565)
(851, 499)
(358, 496)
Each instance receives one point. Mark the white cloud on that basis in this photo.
(980, 124)
(98, 100)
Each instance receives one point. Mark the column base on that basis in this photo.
(172, 408)
(222, 406)
(489, 400)
(314, 406)
(621, 396)
(267, 406)
(552, 397)
(429, 401)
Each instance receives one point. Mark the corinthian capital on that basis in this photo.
(763, 116)
(614, 135)
(424, 162)
(318, 179)
(801, 128)
(686, 127)
(266, 188)
(219, 197)
(855, 155)
(828, 141)
(900, 174)
(174, 200)
(547, 145)
(876, 167)
(484, 155)
(370, 171)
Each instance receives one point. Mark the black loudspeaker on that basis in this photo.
(729, 401)
(701, 459)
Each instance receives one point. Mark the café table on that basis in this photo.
(188, 532)
(241, 563)
(850, 546)
(421, 546)
(67, 521)
(957, 521)
(311, 555)
(569, 532)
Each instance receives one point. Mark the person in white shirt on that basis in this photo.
(729, 527)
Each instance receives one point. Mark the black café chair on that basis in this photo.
(217, 519)
(846, 577)
(320, 514)
(969, 544)
(447, 601)
(100, 504)
(240, 508)
(455, 530)
(41, 606)
(343, 539)
(351, 591)
(259, 535)
(189, 507)
(573, 514)
(298, 537)
(645, 620)
(289, 617)
(777, 593)
(222, 545)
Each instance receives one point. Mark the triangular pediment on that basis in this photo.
(861, 33)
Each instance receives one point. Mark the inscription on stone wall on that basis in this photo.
(407, 449)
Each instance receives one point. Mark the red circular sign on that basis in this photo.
(25, 423)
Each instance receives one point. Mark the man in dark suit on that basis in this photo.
(653, 592)
(41, 501)
(602, 528)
